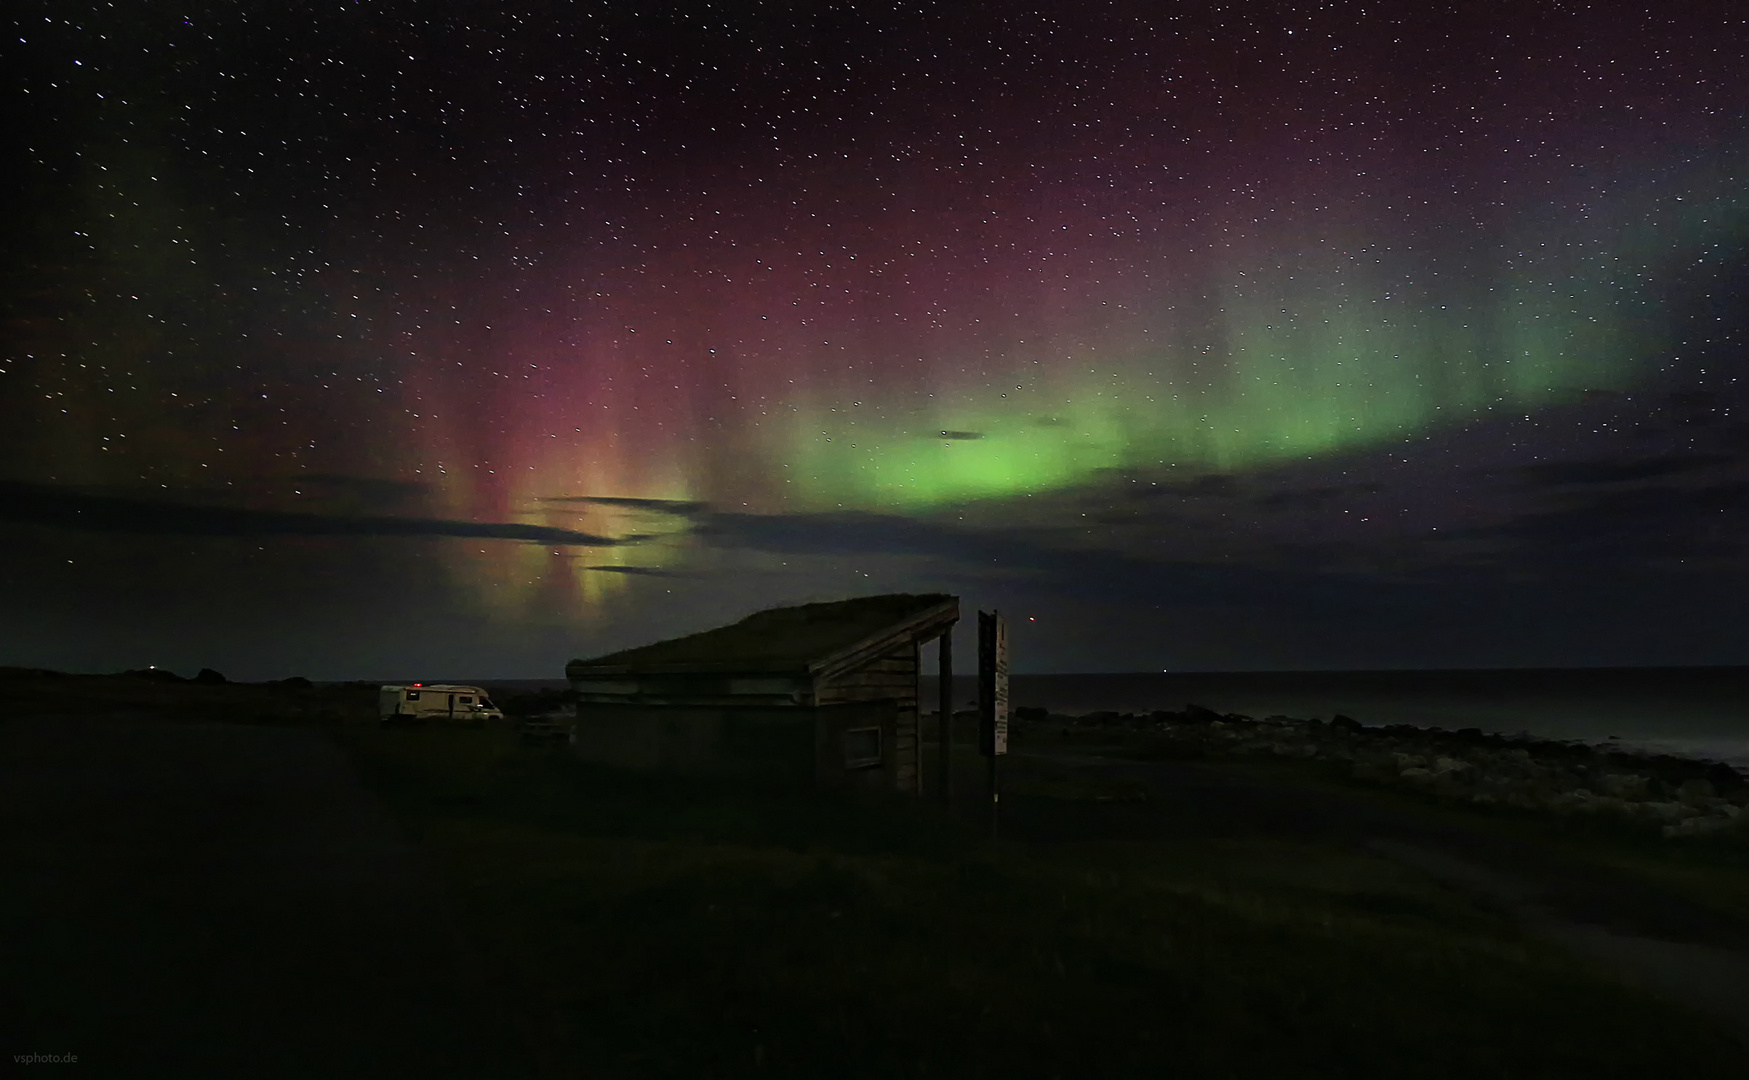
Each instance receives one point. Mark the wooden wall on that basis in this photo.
(889, 677)
(697, 731)
(832, 722)
(782, 745)
(774, 743)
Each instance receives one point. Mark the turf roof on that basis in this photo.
(780, 637)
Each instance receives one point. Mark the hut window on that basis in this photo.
(862, 747)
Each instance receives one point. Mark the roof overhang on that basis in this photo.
(922, 626)
(575, 670)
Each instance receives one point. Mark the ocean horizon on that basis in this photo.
(1697, 711)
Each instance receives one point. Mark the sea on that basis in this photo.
(1693, 712)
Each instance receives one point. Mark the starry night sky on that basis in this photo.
(422, 339)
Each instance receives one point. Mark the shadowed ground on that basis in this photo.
(188, 899)
(1690, 954)
(192, 900)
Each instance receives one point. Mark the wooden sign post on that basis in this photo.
(945, 690)
(993, 698)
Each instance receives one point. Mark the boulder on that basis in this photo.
(1695, 791)
(1699, 826)
(1623, 785)
(1667, 811)
(1725, 778)
(1347, 724)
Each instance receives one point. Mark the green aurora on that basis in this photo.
(1317, 353)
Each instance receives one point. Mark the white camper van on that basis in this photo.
(419, 702)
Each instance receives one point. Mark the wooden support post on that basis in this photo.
(946, 726)
(993, 699)
(995, 798)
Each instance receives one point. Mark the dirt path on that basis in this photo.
(1665, 943)
(199, 900)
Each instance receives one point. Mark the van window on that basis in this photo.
(412, 695)
(467, 700)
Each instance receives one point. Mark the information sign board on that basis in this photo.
(992, 683)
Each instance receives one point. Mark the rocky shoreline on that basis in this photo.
(1680, 797)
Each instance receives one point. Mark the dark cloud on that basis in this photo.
(1616, 471)
(317, 492)
(1697, 399)
(366, 488)
(1037, 556)
(1213, 485)
(1115, 577)
(1628, 524)
(1311, 554)
(839, 533)
(41, 504)
(640, 571)
(1153, 514)
(1316, 496)
(664, 506)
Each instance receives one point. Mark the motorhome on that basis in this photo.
(421, 702)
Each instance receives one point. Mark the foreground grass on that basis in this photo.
(1711, 871)
(651, 926)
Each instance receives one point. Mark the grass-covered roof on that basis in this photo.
(779, 638)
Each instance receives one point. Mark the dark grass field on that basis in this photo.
(661, 927)
(199, 899)
(259, 881)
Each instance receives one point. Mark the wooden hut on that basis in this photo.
(823, 691)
